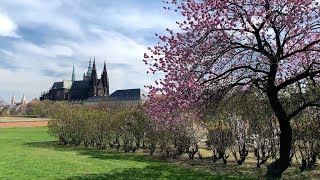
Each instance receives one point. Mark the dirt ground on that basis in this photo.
(22, 122)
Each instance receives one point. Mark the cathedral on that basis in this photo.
(14, 101)
(73, 90)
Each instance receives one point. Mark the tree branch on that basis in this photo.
(303, 107)
(235, 69)
(297, 78)
(300, 50)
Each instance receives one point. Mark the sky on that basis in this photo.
(40, 42)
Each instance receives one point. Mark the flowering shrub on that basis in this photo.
(227, 132)
(223, 47)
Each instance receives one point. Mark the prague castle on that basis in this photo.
(91, 89)
(73, 90)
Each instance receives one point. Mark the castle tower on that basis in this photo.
(89, 69)
(94, 80)
(105, 80)
(73, 78)
(24, 100)
(87, 76)
(13, 99)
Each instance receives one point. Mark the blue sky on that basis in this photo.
(41, 40)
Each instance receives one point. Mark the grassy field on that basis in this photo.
(29, 153)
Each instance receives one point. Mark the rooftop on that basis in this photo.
(128, 95)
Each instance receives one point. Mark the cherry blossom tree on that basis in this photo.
(231, 45)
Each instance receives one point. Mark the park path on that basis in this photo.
(22, 122)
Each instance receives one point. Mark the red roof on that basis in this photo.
(33, 102)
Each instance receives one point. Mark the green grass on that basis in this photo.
(30, 153)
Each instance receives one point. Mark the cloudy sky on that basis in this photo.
(41, 40)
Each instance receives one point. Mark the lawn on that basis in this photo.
(30, 153)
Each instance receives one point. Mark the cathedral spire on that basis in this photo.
(94, 79)
(73, 75)
(13, 99)
(105, 66)
(24, 100)
(94, 70)
(105, 79)
(89, 68)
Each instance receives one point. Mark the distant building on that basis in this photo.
(124, 96)
(128, 95)
(22, 102)
(13, 99)
(74, 90)
(91, 90)
(16, 108)
(33, 102)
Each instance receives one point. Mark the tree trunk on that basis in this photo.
(276, 168)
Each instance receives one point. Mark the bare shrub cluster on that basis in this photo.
(246, 124)
(236, 129)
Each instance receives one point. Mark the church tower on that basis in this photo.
(89, 69)
(105, 80)
(13, 100)
(24, 100)
(87, 76)
(94, 80)
(73, 78)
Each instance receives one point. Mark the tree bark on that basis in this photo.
(276, 168)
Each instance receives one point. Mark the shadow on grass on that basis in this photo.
(154, 169)
(92, 153)
(152, 172)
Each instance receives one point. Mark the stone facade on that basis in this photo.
(73, 90)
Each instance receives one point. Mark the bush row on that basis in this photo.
(228, 132)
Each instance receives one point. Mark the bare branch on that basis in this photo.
(297, 78)
(303, 107)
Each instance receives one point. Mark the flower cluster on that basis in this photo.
(233, 43)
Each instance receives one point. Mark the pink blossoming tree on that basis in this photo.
(230, 44)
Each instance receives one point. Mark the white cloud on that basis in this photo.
(116, 48)
(47, 50)
(111, 46)
(7, 26)
(40, 14)
(137, 20)
(20, 82)
(56, 34)
(60, 50)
